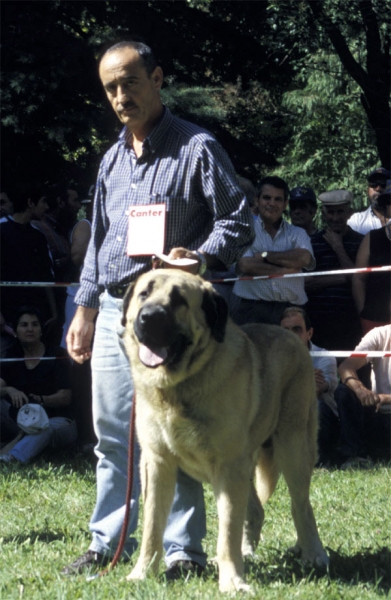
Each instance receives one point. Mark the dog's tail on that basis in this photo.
(266, 473)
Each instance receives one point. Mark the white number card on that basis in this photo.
(146, 229)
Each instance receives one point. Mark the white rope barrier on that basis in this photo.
(231, 279)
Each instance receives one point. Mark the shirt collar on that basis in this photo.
(281, 227)
(157, 134)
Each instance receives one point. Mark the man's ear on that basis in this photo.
(157, 77)
(310, 333)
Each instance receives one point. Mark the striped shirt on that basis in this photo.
(335, 299)
(291, 290)
(182, 166)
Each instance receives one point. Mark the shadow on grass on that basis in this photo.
(34, 536)
(368, 566)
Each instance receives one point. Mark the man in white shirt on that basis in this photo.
(372, 218)
(295, 319)
(279, 248)
(360, 406)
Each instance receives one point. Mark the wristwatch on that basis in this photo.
(202, 259)
(264, 256)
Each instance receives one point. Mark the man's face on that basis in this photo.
(271, 204)
(376, 188)
(6, 206)
(74, 204)
(40, 208)
(302, 213)
(296, 324)
(336, 217)
(134, 96)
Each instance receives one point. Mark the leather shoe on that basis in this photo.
(86, 561)
(183, 569)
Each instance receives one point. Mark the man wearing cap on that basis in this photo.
(330, 301)
(302, 208)
(372, 217)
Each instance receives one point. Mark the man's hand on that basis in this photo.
(334, 239)
(320, 382)
(80, 334)
(367, 397)
(18, 398)
(383, 399)
(184, 253)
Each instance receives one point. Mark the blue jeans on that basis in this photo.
(60, 433)
(112, 392)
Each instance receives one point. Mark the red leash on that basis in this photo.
(122, 538)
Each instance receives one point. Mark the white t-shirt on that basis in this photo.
(365, 221)
(379, 338)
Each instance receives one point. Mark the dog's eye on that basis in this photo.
(143, 295)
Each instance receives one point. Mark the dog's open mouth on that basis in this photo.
(152, 356)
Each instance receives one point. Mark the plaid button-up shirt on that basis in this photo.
(183, 167)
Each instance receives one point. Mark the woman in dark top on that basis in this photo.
(40, 375)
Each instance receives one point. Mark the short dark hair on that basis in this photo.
(145, 52)
(23, 192)
(297, 310)
(26, 309)
(276, 182)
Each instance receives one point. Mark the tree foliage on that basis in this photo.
(258, 74)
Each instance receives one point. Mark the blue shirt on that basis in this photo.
(182, 166)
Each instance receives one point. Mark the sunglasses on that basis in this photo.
(376, 184)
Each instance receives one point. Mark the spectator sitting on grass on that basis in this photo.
(365, 414)
(29, 379)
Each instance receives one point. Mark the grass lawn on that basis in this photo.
(45, 508)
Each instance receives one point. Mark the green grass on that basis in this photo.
(45, 509)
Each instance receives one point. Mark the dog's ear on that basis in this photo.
(216, 313)
(125, 305)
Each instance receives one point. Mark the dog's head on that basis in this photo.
(171, 317)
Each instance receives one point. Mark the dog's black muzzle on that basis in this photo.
(155, 326)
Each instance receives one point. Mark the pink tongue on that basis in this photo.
(150, 358)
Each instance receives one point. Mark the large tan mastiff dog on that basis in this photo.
(230, 406)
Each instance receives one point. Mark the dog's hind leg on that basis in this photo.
(253, 523)
(158, 484)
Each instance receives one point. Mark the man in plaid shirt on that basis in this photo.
(158, 160)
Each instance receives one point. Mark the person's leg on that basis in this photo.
(8, 426)
(327, 434)
(112, 390)
(186, 526)
(60, 432)
(31, 445)
(351, 412)
(64, 432)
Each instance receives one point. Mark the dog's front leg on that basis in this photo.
(158, 478)
(231, 489)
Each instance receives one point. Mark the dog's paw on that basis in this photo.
(136, 574)
(235, 584)
(316, 556)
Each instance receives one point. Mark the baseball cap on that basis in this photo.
(32, 418)
(379, 174)
(336, 197)
(302, 194)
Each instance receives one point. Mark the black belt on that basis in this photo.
(117, 291)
